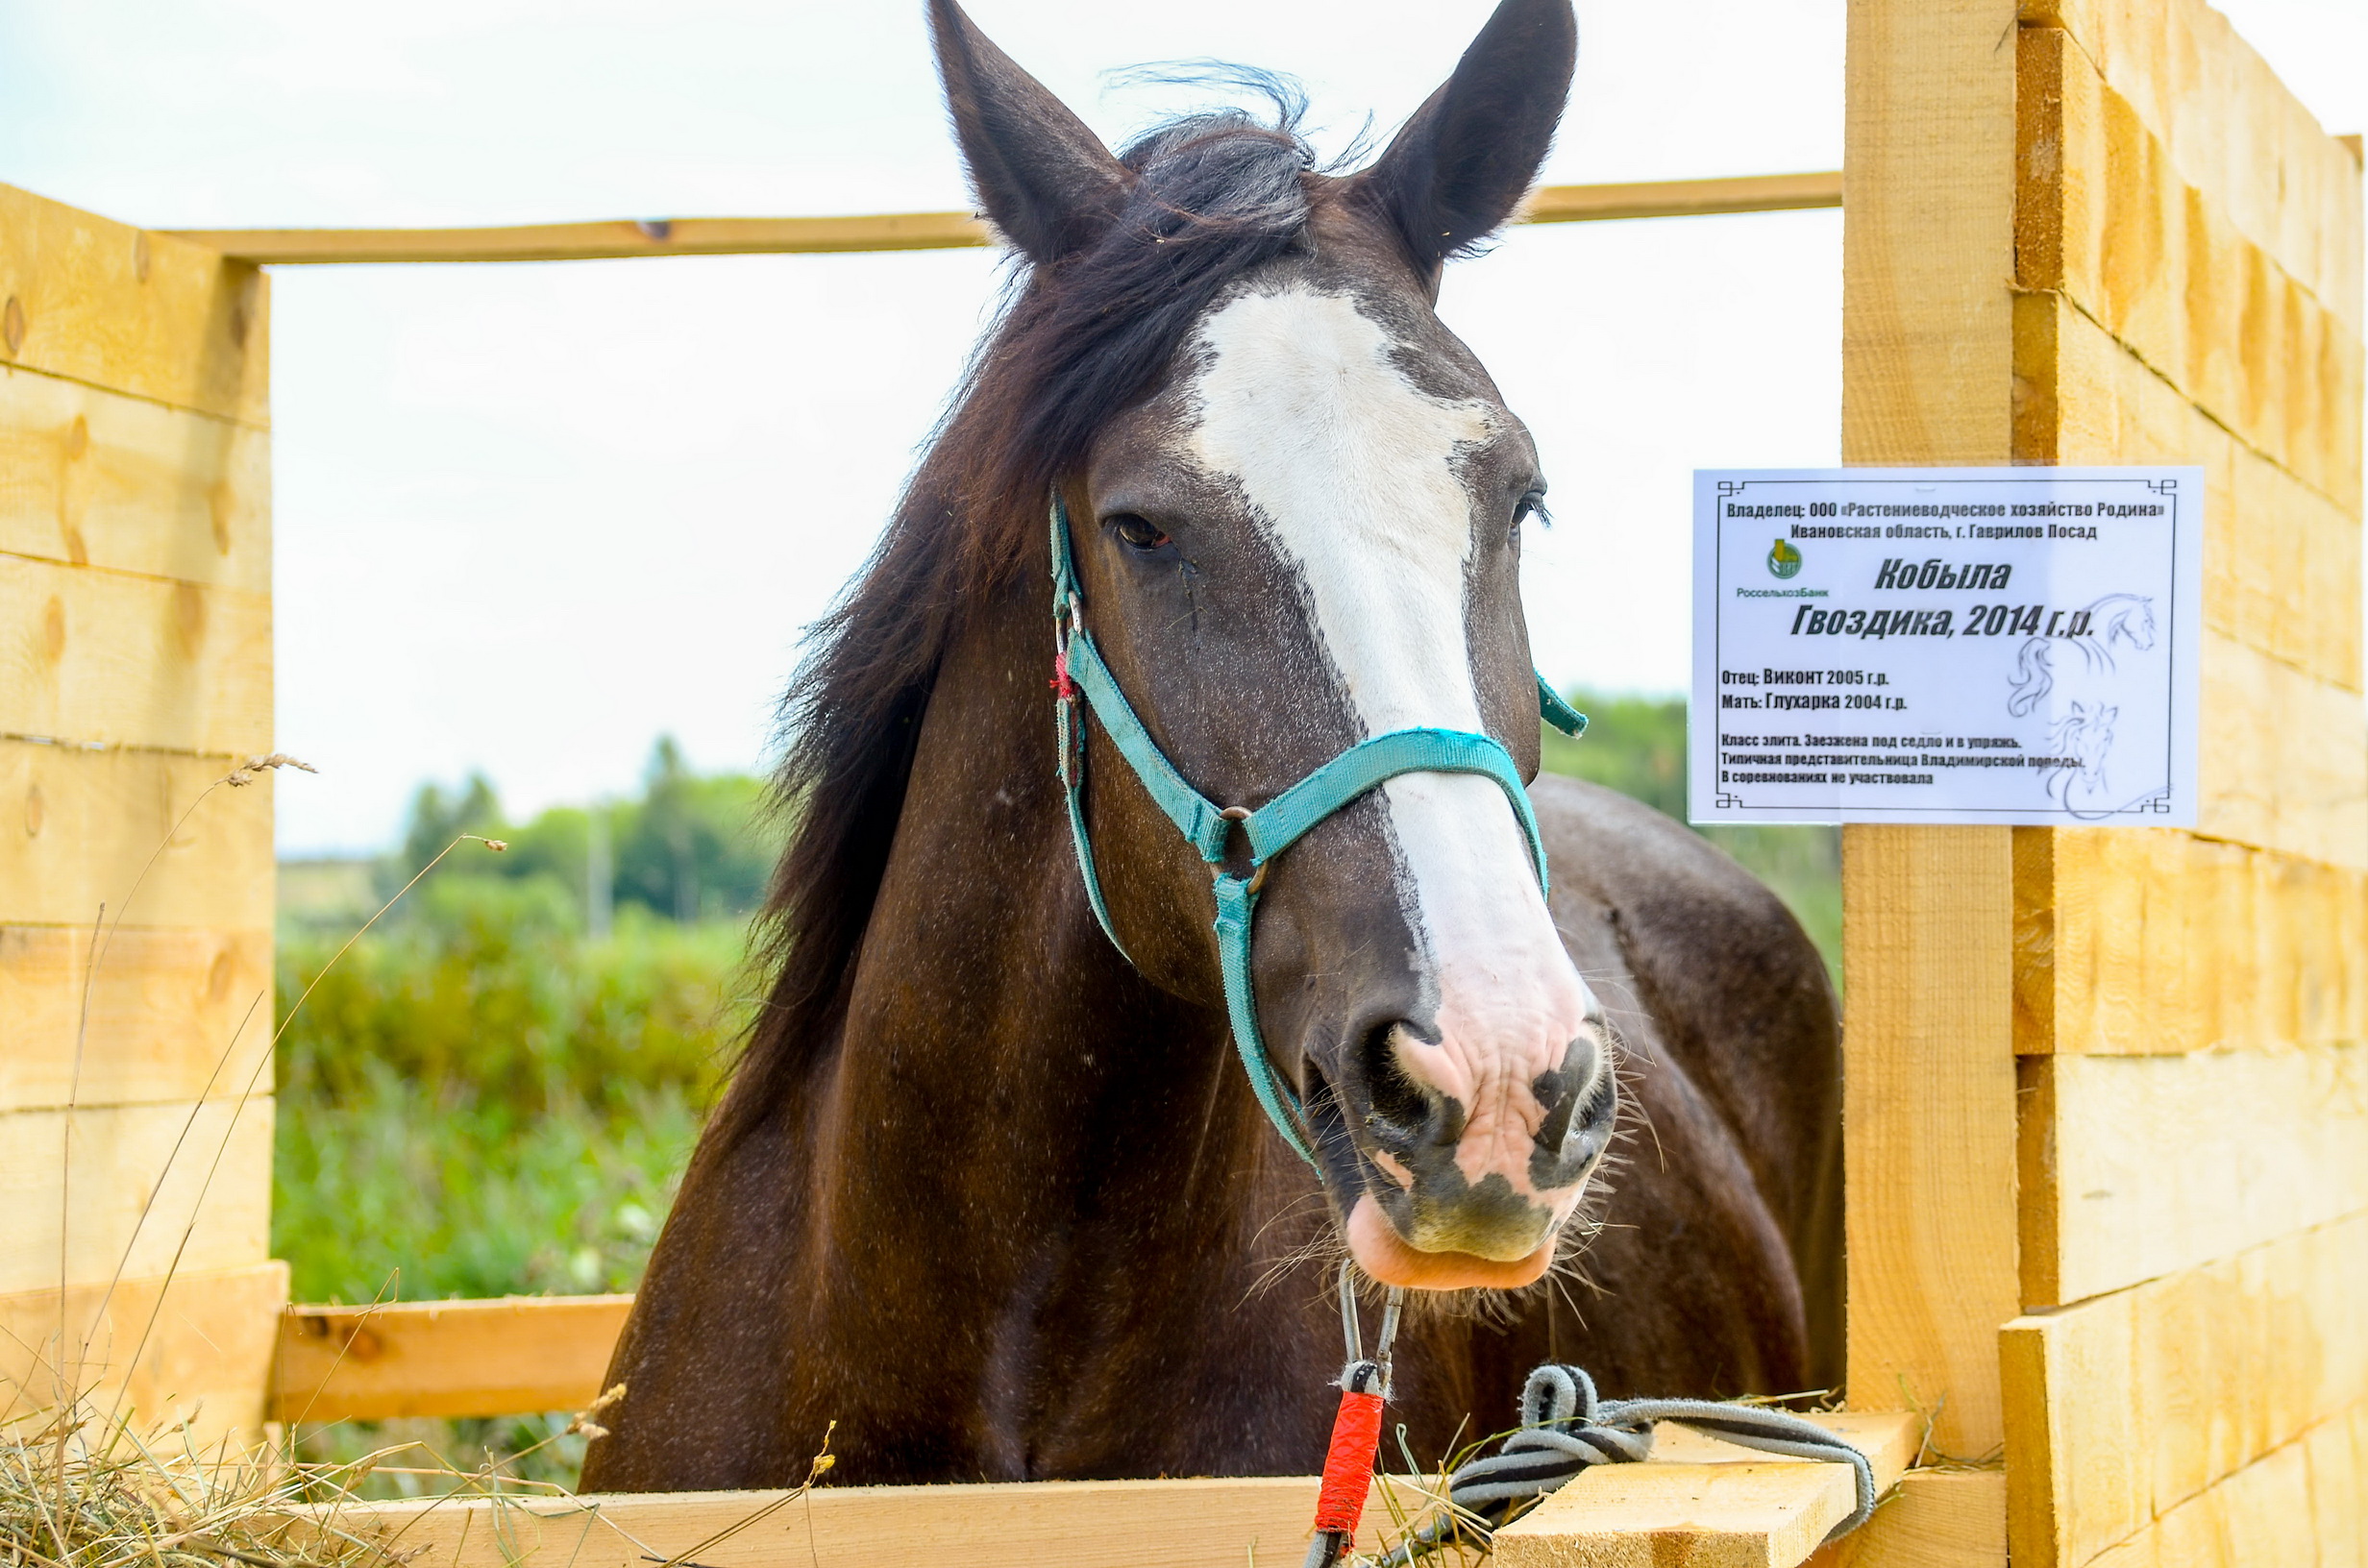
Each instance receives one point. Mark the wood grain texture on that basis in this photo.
(2280, 560)
(448, 1358)
(1928, 239)
(2285, 764)
(98, 479)
(171, 1014)
(622, 238)
(208, 1168)
(2302, 1505)
(78, 827)
(1928, 360)
(2232, 130)
(2124, 1407)
(2153, 941)
(1046, 1524)
(1935, 1519)
(122, 660)
(2138, 1166)
(134, 311)
(1929, 1123)
(2104, 218)
(203, 1340)
(1705, 1504)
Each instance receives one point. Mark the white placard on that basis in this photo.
(1977, 645)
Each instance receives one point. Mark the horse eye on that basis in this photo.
(1138, 532)
(1532, 504)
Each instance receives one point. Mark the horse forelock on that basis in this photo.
(1215, 196)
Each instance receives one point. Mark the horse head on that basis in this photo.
(1295, 503)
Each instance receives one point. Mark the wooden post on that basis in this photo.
(135, 594)
(1928, 311)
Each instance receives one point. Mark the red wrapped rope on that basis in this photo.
(1348, 1466)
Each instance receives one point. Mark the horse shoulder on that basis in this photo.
(1732, 996)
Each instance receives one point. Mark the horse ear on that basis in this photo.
(1047, 182)
(1460, 166)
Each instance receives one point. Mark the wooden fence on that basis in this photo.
(2107, 1091)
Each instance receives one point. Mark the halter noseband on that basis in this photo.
(1078, 667)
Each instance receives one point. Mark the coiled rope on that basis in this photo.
(1565, 1429)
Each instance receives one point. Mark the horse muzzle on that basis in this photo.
(1471, 1191)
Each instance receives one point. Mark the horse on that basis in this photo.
(988, 1195)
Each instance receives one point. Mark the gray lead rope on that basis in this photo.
(1564, 1430)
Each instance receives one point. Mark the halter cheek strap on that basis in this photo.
(1078, 672)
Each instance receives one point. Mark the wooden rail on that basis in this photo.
(622, 238)
(444, 1358)
(1729, 1506)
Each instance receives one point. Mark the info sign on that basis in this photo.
(1981, 644)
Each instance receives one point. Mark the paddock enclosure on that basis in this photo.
(2107, 1091)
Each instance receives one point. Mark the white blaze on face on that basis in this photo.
(1349, 469)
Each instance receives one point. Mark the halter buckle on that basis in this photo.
(1257, 880)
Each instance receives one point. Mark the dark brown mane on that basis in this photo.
(1214, 195)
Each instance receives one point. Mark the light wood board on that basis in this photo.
(1935, 1519)
(1729, 1507)
(2302, 1505)
(203, 1343)
(2104, 218)
(79, 827)
(131, 310)
(2153, 942)
(2279, 558)
(208, 1168)
(444, 1357)
(98, 479)
(2124, 1407)
(621, 238)
(2233, 131)
(1928, 318)
(1929, 1123)
(170, 1014)
(1049, 1524)
(2137, 1166)
(124, 660)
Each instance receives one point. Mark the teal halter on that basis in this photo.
(1077, 668)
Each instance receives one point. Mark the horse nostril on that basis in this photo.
(1399, 1113)
(1577, 1097)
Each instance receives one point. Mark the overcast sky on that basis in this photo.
(531, 517)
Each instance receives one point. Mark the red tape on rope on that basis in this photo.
(1348, 1467)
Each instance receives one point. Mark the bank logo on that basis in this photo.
(1782, 561)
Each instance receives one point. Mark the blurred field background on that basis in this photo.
(494, 1092)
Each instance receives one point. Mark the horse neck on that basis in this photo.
(996, 1041)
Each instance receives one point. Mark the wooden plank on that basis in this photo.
(1729, 1507)
(2286, 766)
(1045, 1524)
(2232, 130)
(620, 238)
(78, 828)
(207, 1165)
(444, 1357)
(97, 479)
(203, 1343)
(2124, 1407)
(171, 1014)
(2137, 1166)
(2300, 1505)
(131, 310)
(2280, 559)
(1929, 1123)
(2104, 218)
(1937, 1519)
(1683, 198)
(2153, 942)
(1928, 319)
(123, 660)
